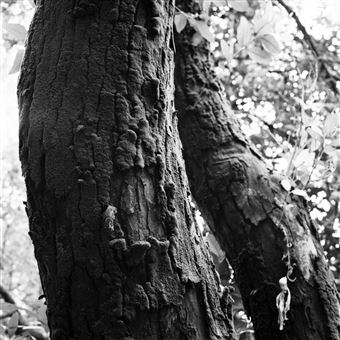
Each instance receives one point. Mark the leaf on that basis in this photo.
(304, 157)
(42, 313)
(239, 5)
(269, 43)
(269, 11)
(214, 247)
(299, 192)
(286, 184)
(13, 324)
(35, 331)
(332, 123)
(205, 4)
(6, 307)
(314, 132)
(259, 54)
(203, 29)
(219, 3)
(2, 330)
(17, 61)
(227, 50)
(262, 26)
(196, 39)
(244, 32)
(32, 3)
(180, 22)
(16, 31)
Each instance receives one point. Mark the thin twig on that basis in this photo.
(331, 78)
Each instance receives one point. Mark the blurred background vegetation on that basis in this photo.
(287, 100)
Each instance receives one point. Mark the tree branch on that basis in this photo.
(331, 79)
(6, 295)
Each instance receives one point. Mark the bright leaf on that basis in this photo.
(17, 61)
(244, 33)
(332, 123)
(180, 22)
(269, 43)
(203, 29)
(13, 324)
(286, 184)
(8, 308)
(304, 157)
(227, 50)
(196, 38)
(239, 5)
(42, 313)
(15, 31)
(299, 192)
(205, 4)
(259, 54)
(262, 25)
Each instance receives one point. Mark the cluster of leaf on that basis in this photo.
(250, 33)
(18, 269)
(290, 111)
(15, 32)
(14, 328)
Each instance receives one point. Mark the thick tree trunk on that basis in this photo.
(119, 254)
(264, 230)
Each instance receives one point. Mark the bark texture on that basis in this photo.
(119, 254)
(264, 230)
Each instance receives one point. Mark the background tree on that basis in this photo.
(258, 216)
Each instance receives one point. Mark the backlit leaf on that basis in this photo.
(16, 31)
(227, 50)
(205, 5)
(244, 32)
(13, 324)
(239, 5)
(259, 54)
(332, 123)
(299, 192)
(6, 307)
(286, 184)
(204, 30)
(269, 43)
(180, 22)
(262, 26)
(17, 61)
(42, 313)
(196, 38)
(304, 157)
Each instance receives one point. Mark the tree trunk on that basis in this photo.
(264, 230)
(119, 253)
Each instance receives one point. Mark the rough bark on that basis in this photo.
(119, 254)
(264, 230)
